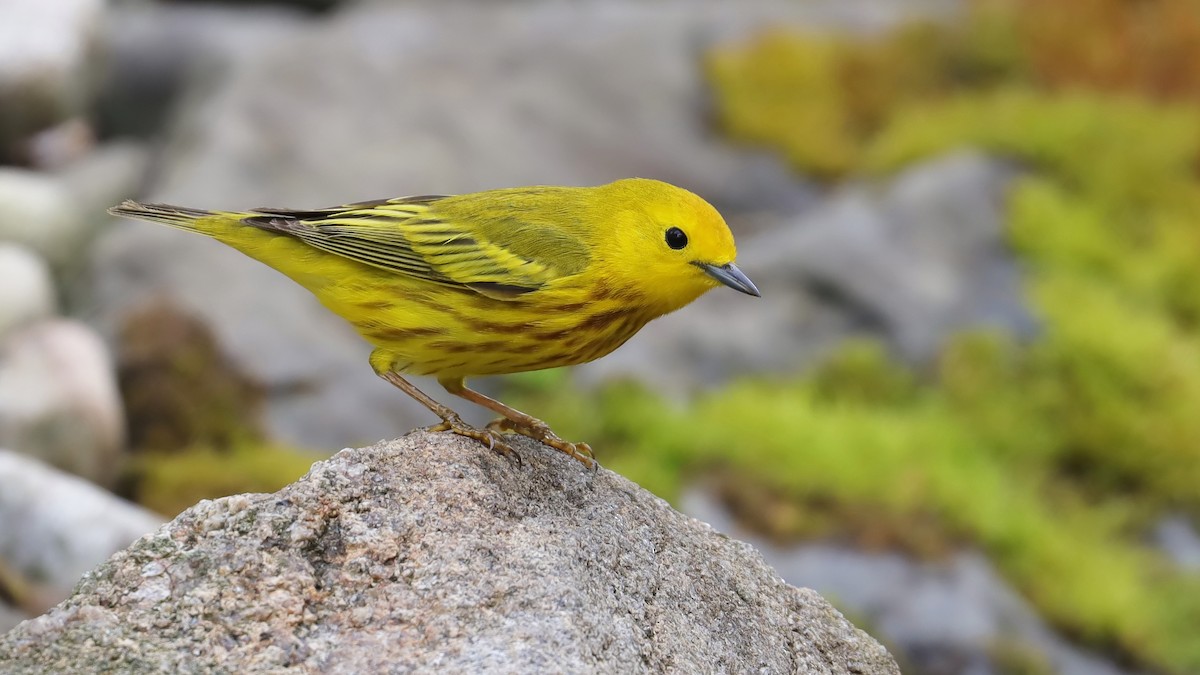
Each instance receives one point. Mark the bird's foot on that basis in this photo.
(540, 431)
(489, 437)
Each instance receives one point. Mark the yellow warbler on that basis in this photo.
(494, 282)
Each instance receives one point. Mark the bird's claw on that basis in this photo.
(487, 436)
(541, 432)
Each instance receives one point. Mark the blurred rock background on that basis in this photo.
(964, 409)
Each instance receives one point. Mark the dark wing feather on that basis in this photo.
(406, 236)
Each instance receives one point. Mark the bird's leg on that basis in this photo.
(450, 419)
(517, 421)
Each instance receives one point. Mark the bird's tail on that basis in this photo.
(180, 217)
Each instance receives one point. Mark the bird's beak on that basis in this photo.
(732, 277)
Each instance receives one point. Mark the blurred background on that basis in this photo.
(966, 409)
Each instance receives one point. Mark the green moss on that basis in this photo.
(1106, 226)
(171, 482)
(819, 99)
(1018, 658)
(861, 372)
(796, 105)
(1119, 150)
(1121, 383)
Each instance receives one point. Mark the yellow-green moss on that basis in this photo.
(1013, 657)
(819, 99)
(796, 105)
(1121, 150)
(171, 482)
(860, 371)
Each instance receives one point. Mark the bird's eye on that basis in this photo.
(676, 239)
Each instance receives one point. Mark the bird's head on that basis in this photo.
(670, 245)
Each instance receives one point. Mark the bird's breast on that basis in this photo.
(470, 335)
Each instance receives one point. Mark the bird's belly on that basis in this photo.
(445, 332)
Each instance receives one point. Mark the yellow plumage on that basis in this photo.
(494, 282)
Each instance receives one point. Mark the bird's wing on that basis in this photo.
(502, 257)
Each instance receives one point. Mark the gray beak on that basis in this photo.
(732, 277)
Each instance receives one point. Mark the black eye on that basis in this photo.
(676, 239)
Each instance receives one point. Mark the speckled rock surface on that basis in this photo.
(431, 554)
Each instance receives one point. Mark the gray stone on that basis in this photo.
(38, 211)
(57, 526)
(9, 618)
(939, 617)
(26, 288)
(933, 260)
(59, 145)
(109, 173)
(1177, 537)
(908, 263)
(46, 50)
(56, 214)
(59, 399)
(154, 51)
(431, 553)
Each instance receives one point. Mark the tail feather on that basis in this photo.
(179, 217)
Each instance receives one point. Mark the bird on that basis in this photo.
(488, 283)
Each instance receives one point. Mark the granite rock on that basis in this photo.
(432, 553)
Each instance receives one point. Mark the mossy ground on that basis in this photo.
(1053, 456)
(171, 482)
